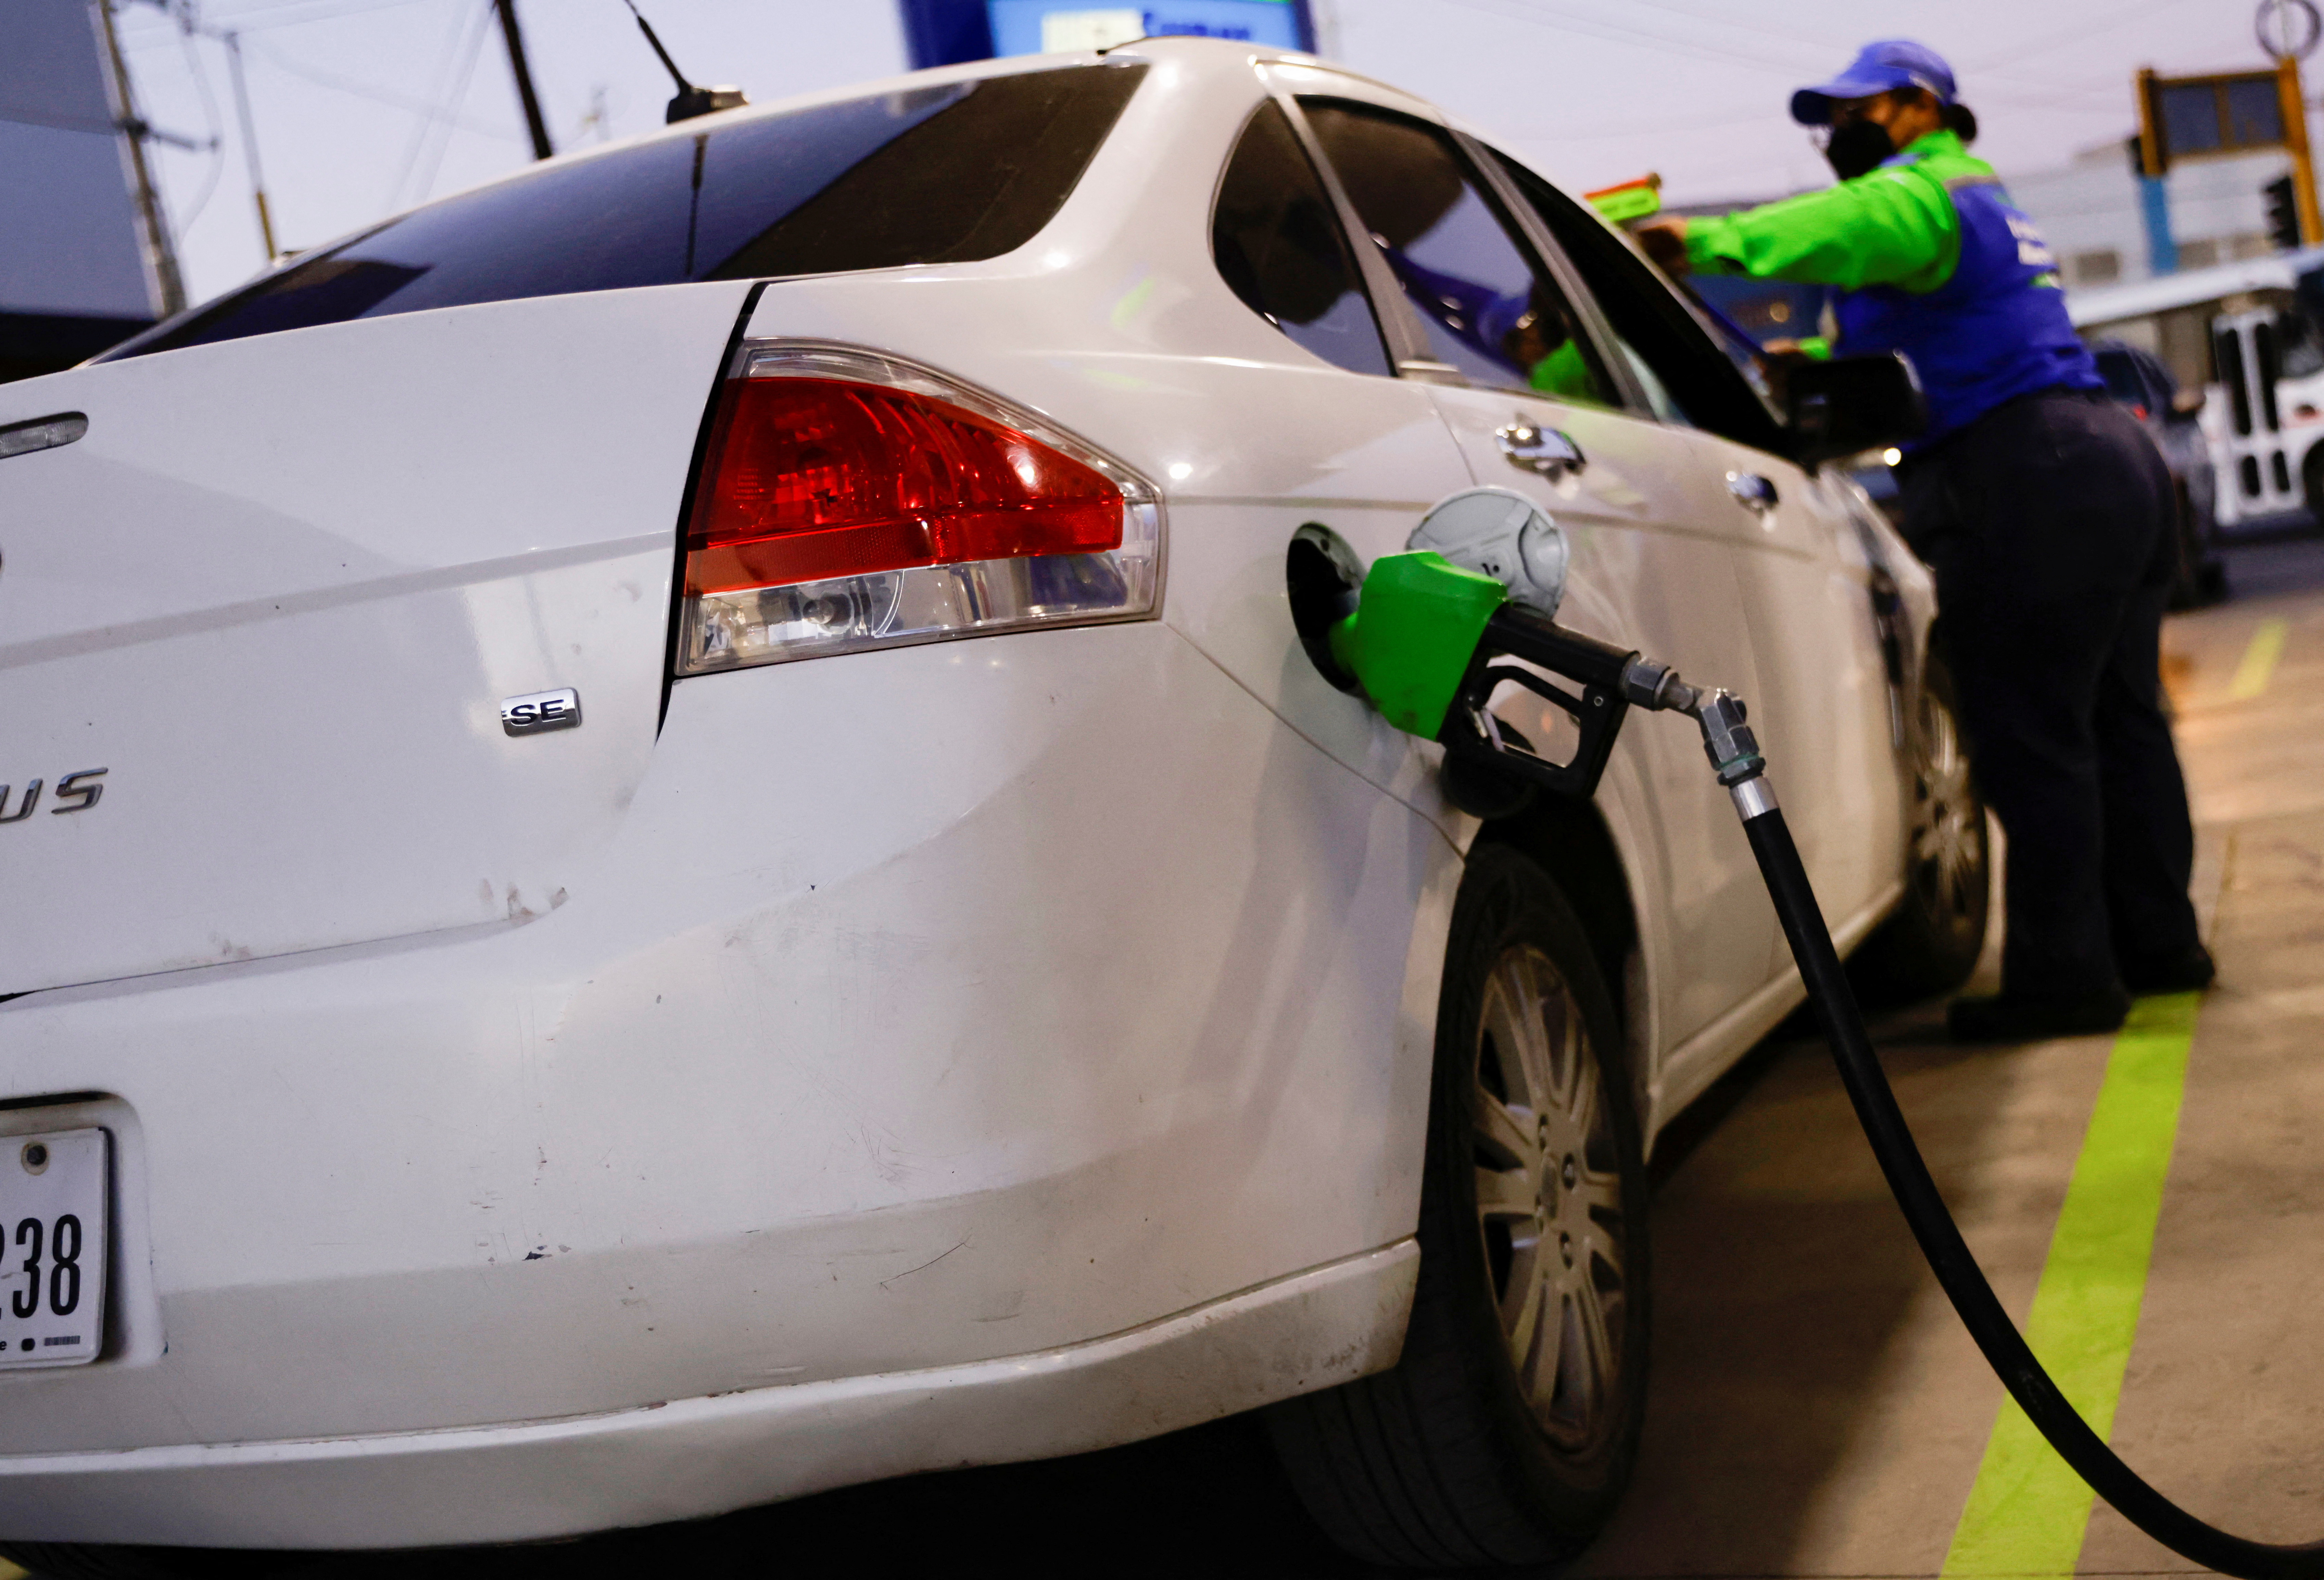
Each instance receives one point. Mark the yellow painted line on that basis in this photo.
(2028, 1511)
(2258, 664)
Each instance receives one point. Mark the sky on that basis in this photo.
(364, 107)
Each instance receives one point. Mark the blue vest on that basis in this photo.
(1998, 329)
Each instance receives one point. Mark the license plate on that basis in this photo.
(52, 1248)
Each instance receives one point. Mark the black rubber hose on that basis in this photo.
(1949, 1256)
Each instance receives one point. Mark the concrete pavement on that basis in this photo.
(1818, 1410)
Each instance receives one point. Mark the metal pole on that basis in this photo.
(518, 64)
(2295, 142)
(159, 255)
(2150, 159)
(233, 42)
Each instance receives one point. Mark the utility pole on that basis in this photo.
(2295, 143)
(2148, 167)
(161, 257)
(524, 70)
(233, 42)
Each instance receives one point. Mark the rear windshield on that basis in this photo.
(934, 175)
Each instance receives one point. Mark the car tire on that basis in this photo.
(1932, 941)
(1506, 1432)
(2201, 577)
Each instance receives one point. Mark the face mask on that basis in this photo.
(1855, 147)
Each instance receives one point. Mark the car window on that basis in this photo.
(1486, 308)
(2120, 372)
(1278, 242)
(2302, 351)
(1689, 376)
(931, 175)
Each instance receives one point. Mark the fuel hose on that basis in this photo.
(1949, 1256)
(1431, 644)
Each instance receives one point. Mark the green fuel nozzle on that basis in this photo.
(1428, 642)
(1414, 636)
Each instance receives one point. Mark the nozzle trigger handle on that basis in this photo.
(1515, 632)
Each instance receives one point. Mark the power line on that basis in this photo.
(455, 99)
(276, 57)
(1542, 14)
(1820, 42)
(233, 43)
(200, 74)
(437, 83)
(2072, 35)
(266, 17)
(288, 14)
(1613, 33)
(1642, 128)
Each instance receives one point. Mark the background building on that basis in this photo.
(2091, 212)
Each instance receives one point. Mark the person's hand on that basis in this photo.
(1776, 360)
(1664, 240)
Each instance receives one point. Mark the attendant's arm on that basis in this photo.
(1893, 228)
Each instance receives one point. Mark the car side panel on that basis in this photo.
(1823, 709)
(1646, 573)
(933, 1006)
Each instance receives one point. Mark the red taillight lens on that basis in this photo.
(813, 479)
(849, 500)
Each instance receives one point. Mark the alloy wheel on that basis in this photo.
(1549, 1196)
(1948, 839)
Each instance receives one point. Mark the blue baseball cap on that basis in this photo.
(1877, 67)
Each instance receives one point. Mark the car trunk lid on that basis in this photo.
(277, 593)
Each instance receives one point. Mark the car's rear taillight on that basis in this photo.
(851, 500)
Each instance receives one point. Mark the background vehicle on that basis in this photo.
(966, 988)
(2142, 386)
(2242, 339)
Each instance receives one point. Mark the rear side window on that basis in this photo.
(1486, 308)
(1278, 242)
(1687, 375)
(935, 175)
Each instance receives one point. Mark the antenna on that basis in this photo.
(689, 100)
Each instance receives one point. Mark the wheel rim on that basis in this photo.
(1948, 825)
(1549, 1196)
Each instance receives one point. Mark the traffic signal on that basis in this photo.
(2282, 213)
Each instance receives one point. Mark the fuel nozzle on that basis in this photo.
(1428, 642)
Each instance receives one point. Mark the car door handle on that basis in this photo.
(1752, 492)
(1544, 450)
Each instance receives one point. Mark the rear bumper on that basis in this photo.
(930, 1040)
(698, 1456)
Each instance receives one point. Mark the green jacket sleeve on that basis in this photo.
(1565, 374)
(1894, 227)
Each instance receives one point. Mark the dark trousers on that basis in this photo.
(2050, 523)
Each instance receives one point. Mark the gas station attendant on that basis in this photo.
(2044, 508)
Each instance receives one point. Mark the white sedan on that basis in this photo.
(667, 843)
